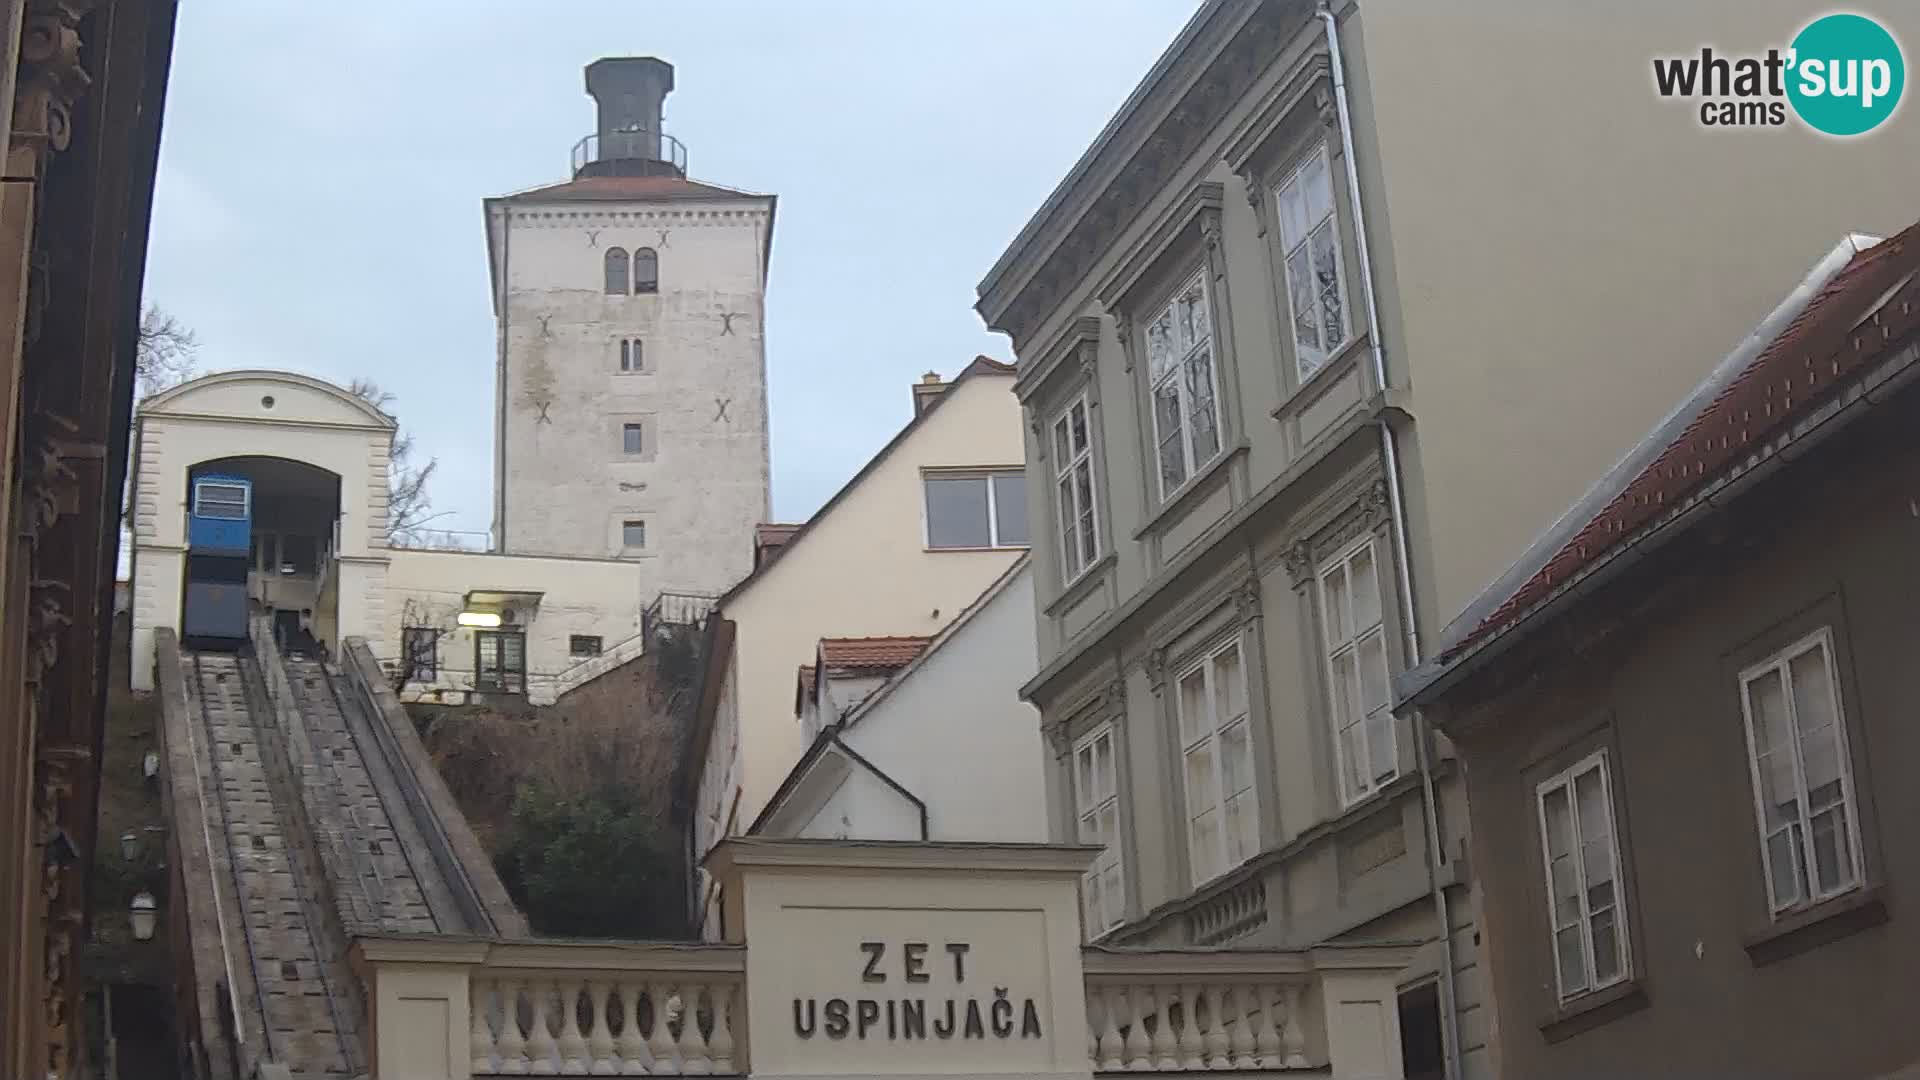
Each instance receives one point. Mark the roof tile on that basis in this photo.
(870, 653)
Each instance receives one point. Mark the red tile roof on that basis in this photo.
(1872, 301)
(870, 653)
(767, 534)
(615, 188)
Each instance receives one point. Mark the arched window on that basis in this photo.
(617, 271)
(646, 271)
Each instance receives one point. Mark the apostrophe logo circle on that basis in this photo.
(1847, 74)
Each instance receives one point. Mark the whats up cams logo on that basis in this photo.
(1842, 75)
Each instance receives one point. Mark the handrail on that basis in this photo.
(644, 143)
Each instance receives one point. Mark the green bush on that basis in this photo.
(591, 865)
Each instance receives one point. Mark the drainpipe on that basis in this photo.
(1403, 571)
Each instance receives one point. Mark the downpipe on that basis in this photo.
(1403, 569)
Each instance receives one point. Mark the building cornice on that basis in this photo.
(738, 853)
(1223, 51)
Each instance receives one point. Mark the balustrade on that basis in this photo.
(1196, 1010)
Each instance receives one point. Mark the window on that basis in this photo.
(631, 441)
(1216, 751)
(616, 267)
(216, 500)
(583, 645)
(1355, 639)
(420, 651)
(646, 271)
(1180, 369)
(633, 534)
(299, 554)
(1585, 906)
(1802, 776)
(632, 355)
(1310, 244)
(1073, 487)
(1096, 805)
(983, 510)
(500, 660)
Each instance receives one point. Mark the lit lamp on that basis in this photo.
(485, 620)
(150, 765)
(129, 845)
(143, 913)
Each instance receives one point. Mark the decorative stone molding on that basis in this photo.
(1155, 665)
(50, 78)
(1123, 330)
(1299, 561)
(1328, 108)
(1246, 600)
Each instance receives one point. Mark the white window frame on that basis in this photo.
(1330, 653)
(1782, 662)
(246, 498)
(1176, 374)
(1623, 951)
(1304, 364)
(1087, 809)
(1210, 732)
(1079, 525)
(994, 542)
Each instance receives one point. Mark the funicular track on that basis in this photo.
(299, 992)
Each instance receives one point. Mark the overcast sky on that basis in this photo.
(318, 205)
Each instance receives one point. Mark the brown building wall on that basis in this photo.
(1654, 680)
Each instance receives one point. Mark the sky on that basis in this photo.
(322, 168)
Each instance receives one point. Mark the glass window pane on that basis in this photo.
(1386, 765)
(1083, 489)
(1294, 221)
(1353, 747)
(1558, 812)
(1236, 758)
(1832, 852)
(630, 438)
(1077, 418)
(1316, 185)
(1345, 710)
(616, 271)
(1565, 878)
(1302, 297)
(1010, 508)
(1335, 604)
(1161, 349)
(1243, 828)
(1203, 837)
(1326, 271)
(1200, 403)
(1069, 546)
(1366, 588)
(1062, 448)
(1568, 946)
(1192, 322)
(1784, 866)
(1203, 791)
(1373, 671)
(1606, 946)
(1194, 721)
(633, 534)
(1230, 686)
(1103, 778)
(957, 512)
(1333, 324)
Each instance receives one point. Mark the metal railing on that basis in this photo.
(677, 609)
(638, 143)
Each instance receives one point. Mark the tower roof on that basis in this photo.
(625, 188)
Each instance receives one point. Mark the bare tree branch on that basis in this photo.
(164, 355)
(408, 505)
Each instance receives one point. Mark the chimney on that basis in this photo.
(629, 91)
(926, 390)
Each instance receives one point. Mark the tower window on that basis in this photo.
(646, 271)
(633, 535)
(632, 357)
(616, 266)
(631, 441)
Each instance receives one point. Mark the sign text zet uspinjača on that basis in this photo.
(960, 1013)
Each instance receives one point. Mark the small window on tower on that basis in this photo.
(632, 357)
(646, 271)
(616, 267)
(633, 535)
(631, 441)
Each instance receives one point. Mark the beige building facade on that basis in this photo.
(906, 546)
(1342, 308)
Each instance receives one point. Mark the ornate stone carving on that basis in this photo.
(1155, 665)
(1246, 599)
(1123, 331)
(1376, 504)
(1328, 108)
(1298, 560)
(50, 77)
(1210, 229)
(1056, 734)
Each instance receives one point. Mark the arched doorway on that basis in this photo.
(292, 563)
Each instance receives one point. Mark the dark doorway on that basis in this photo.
(1422, 1051)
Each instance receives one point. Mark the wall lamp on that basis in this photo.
(485, 620)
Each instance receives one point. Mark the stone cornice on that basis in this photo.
(1089, 214)
(50, 77)
(1080, 341)
(1199, 205)
(739, 853)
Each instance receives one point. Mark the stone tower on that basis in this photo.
(631, 403)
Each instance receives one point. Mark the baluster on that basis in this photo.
(1218, 1056)
(1166, 1051)
(572, 1045)
(1093, 1028)
(600, 1033)
(660, 1043)
(1293, 1037)
(1189, 1037)
(633, 1045)
(540, 1045)
(693, 1046)
(1111, 1047)
(1266, 1040)
(512, 1045)
(1245, 1008)
(1138, 1048)
(480, 1038)
(720, 1045)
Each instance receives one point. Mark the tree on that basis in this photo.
(165, 351)
(591, 865)
(408, 505)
